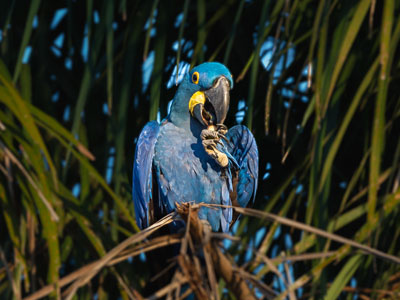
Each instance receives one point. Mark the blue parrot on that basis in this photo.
(192, 157)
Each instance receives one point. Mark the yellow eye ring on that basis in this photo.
(195, 77)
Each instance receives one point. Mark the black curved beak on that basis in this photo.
(217, 101)
(210, 107)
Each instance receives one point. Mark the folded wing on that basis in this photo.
(242, 146)
(142, 173)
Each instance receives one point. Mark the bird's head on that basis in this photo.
(204, 93)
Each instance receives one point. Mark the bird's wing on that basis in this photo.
(242, 146)
(142, 173)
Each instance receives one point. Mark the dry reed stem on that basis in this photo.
(268, 292)
(301, 226)
(84, 274)
(168, 288)
(216, 262)
(292, 295)
(222, 265)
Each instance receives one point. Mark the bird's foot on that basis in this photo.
(210, 139)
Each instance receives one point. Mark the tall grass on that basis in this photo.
(319, 80)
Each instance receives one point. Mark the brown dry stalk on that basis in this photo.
(179, 280)
(267, 291)
(194, 278)
(301, 226)
(86, 273)
(394, 294)
(158, 242)
(292, 295)
(222, 265)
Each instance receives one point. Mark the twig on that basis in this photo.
(115, 251)
(285, 221)
(165, 290)
(270, 265)
(84, 274)
(210, 272)
(292, 295)
(224, 236)
(265, 289)
(394, 294)
(155, 243)
(221, 263)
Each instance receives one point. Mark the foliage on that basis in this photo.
(319, 80)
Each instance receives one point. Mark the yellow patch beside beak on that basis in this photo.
(197, 98)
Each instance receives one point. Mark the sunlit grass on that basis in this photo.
(317, 82)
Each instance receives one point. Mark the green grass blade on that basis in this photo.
(233, 32)
(52, 126)
(156, 76)
(347, 43)
(13, 100)
(180, 36)
(255, 63)
(148, 33)
(109, 52)
(343, 277)
(346, 121)
(378, 131)
(26, 83)
(33, 9)
(198, 54)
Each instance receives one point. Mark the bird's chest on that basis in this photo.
(184, 169)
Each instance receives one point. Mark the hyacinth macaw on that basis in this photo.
(191, 157)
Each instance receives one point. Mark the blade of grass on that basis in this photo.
(198, 54)
(10, 97)
(180, 37)
(156, 76)
(149, 29)
(86, 81)
(232, 35)
(26, 83)
(131, 49)
(347, 42)
(53, 127)
(255, 62)
(346, 121)
(378, 131)
(33, 9)
(109, 52)
(343, 277)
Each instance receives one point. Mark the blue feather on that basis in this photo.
(142, 177)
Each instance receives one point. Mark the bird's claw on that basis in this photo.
(222, 129)
(210, 139)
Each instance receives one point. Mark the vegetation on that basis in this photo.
(316, 81)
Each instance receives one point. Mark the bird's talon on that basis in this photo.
(224, 137)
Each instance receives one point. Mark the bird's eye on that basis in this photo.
(195, 77)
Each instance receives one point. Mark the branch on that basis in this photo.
(222, 265)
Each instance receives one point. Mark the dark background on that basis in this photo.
(315, 81)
